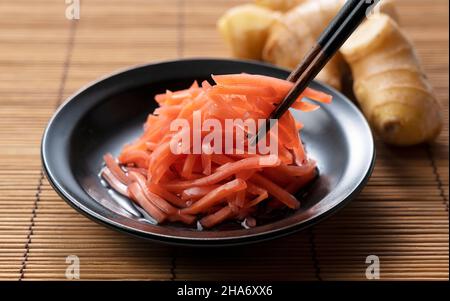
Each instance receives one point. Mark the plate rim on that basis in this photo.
(196, 241)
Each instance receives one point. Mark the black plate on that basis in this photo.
(107, 114)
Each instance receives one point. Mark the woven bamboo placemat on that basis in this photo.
(402, 215)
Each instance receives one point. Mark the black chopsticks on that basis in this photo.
(333, 37)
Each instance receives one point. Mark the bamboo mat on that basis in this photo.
(402, 215)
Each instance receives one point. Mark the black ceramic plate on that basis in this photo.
(107, 114)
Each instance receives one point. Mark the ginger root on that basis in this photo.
(280, 5)
(253, 31)
(245, 28)
(390, 84)
(293, 35)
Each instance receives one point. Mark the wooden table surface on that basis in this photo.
(401, 216)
